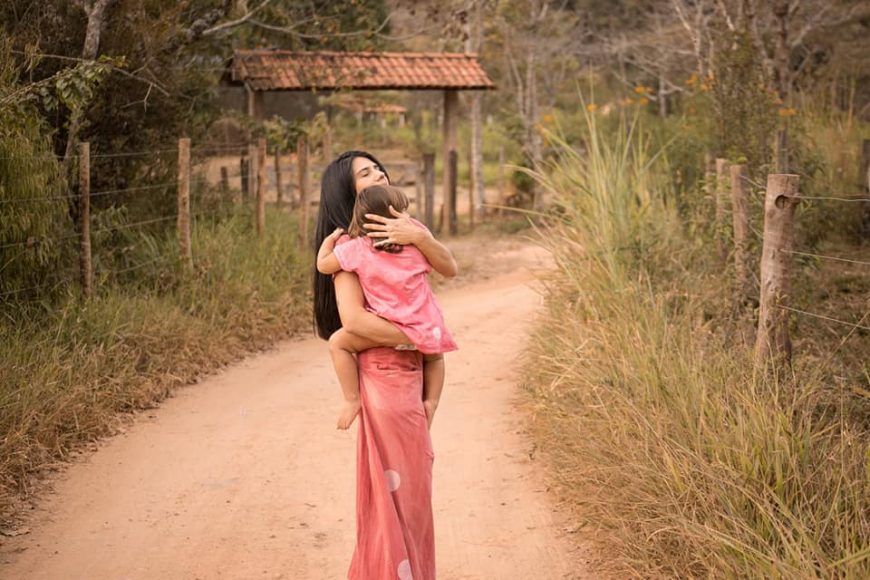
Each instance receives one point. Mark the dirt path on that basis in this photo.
(244, 476)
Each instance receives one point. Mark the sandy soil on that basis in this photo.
(244, 476)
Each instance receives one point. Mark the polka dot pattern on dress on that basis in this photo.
(404, 570)
(393, 480)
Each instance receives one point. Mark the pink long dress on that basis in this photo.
(395, 534)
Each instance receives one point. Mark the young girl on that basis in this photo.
(394, 281)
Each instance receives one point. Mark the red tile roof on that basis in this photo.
(277, 70)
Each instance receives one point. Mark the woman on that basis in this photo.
(395, 536)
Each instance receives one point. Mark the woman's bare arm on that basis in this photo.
(401, 230)
(356, 319)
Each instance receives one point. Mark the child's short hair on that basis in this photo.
(375, 199)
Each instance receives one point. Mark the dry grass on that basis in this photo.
(650, 416)
(68, 370)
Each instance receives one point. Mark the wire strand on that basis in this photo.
(827, 257)
(134, 153)
(829, 319)
(846, 199)
(140, 265)
(92, 194)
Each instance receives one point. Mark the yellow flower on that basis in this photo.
(591, 107)
(704, 87)
(692, 80)
(643, 101)
(549, 119)
(787, 112)
(640, 89)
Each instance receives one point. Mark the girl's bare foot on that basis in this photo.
(430, 407)
(348, 413)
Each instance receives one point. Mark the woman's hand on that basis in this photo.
(399, 230)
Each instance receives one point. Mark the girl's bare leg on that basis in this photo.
(343, 346)
(433, 383)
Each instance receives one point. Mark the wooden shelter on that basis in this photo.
(279, 70)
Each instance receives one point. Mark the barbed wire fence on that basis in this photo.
(207, 181)
(774, 288)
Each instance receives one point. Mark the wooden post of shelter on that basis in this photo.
(418, 192)
(740, 220)
(772, 341)
(304, 204)
(183, 220)
(429, 190)
(243, 176)
(471, 186)
(253, 164)
(453, 162)
(501, 180)
(279, 187)
(85, 263)
(451, 106)
(261, 186)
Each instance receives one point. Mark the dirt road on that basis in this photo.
(245, 477)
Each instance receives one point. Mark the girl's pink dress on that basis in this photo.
(396, 288)
(395, 538)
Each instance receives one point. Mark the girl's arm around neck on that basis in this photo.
(327, 263)
(438, 254)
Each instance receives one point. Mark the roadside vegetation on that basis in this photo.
(657, 428)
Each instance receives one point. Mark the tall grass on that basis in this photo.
(68, 369)
(653, 423)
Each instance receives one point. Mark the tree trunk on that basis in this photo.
(472, 46)
(783, 81)
(96, 14)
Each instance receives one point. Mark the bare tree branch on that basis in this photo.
(238, 22)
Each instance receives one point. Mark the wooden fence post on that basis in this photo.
(772, 340)
(85, 263)
(740, 220)
(453, 225)
(279, 194)
(719, 194)
(864, 181)
(864, 169)
(429, 189)
(302, 162)
(225, 180)
(183, 220)
(471, 188)
(261, 186)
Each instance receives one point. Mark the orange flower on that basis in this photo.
(591, 107)
(692, 80)
(640, 90)
(643, 101)
(549, 119)
(787, 112)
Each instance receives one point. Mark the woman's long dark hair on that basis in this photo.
(337, 196)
